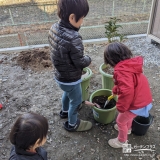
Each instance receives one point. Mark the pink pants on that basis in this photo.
(124, 122)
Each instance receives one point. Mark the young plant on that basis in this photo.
(112, 30)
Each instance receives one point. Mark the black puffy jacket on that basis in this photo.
(67, 52)
(20, 154)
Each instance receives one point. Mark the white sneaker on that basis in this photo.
(115, 143)
(116, 128)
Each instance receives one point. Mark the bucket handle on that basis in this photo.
(87, 88)
(151, 119)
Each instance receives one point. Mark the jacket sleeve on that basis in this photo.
(77, 55)
(125, 91)
(114, 90)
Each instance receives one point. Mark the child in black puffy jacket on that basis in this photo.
(68, 59)
(27, 136)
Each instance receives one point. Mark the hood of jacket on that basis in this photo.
(133, 65)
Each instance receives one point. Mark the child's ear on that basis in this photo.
(72, 18)
(37, 142)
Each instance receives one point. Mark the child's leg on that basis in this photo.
(65, 102)
(129, 124)
(75, 96)
(124, 122)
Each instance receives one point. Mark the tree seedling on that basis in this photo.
(112, 29)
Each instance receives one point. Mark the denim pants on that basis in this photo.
(124, 122)
(71, 99)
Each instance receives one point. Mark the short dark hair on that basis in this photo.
(67, 7)
(27, 129)
(116, 52)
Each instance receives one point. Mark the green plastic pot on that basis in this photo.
(85, 84)
(107, 79)
(103, 116)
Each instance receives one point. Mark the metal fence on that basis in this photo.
(16, 20)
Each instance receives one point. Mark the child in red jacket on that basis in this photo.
(132, 88)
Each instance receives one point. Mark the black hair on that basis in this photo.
(116, 52)
(67, 7)
(27, 129)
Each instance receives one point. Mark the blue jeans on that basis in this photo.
(71, 99)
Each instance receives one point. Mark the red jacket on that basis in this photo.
(131, 85)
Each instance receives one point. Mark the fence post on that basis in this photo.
(144, 5)
(25, 37)
(22, 39)
(11, 16)
(113, 10)
(45, 13)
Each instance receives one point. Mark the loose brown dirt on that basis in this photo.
(37, 60)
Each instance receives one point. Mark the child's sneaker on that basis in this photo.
(63, 114)
(116, 128)
(115, 143)
(80, 126)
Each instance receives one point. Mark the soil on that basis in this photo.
(108, 70)
(36, 60)
(28, 85)
(101, 101)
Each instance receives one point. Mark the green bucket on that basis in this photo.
(85, 84)
(103, 116)
(107, 79)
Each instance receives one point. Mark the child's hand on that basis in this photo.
(97, 105)
(89, 103)
(92, 104)
(114, 95)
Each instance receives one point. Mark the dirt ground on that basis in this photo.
(27, 17)
(27, 84)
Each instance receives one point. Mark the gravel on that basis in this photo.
(150, 52)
